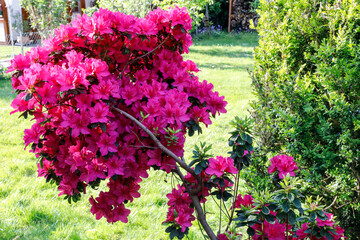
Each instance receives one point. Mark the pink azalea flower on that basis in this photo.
(19, 62)
(106, 144)
(99, 113)
(245, 201)
(328, 222)
(33, 135)
(274, 231)
(185, 218)
(219, 165)
(284, 164)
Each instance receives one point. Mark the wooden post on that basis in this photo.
(230, 13)
(5, 19)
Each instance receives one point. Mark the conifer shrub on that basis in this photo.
(306, 80)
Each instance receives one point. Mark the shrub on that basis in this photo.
(306, 80)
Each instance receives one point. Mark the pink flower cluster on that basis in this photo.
(72, 84)
(284, 164)
(274, 231)
(220, 165)
(321, 223)
(180, 211)
(245, 201)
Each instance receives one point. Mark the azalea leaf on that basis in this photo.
(28, 96)
(291, 217)
(285, 206)
(198, 169)
(250, 231)
(266, 210)
(270, 218)
(297, 203)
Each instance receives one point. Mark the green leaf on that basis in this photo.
(193, 162)
(312, 216)
(270, 218)
(28, 96)
(227, 195)
(297, 203)
(252, 218)
(291, 217)
(266, 210)
(272, 206)
(103, 127)
(241, 224)
(250, 231)
(198, 169)
(203, 164)
(285, 206)
(291, 197)
(281, 216)
(222, 182)
(279, 197)
(321, 213)
(328, 236)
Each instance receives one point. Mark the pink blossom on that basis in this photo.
(33, 135)
(328, 222)
(274, 231)
(219, 165)
(245, 201)
(106, 144)
(284, 164)
(99, 113)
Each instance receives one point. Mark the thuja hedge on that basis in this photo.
(307, 83)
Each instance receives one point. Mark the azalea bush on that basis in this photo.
(111, 97)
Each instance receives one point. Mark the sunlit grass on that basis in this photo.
(30, 208)
(6, 51)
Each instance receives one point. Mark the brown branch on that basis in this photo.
(164, 149)
(200, 213)
(193, 194)
(333, 202)
(236, 188)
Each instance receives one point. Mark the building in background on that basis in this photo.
(12, 16)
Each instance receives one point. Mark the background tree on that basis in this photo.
(194, 7)
(138, 8)
(46, 15)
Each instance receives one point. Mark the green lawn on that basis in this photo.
(6, 51)
(30, 208)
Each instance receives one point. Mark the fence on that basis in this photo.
(14, 46)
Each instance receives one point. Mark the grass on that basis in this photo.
(6, 51)
(30, 208)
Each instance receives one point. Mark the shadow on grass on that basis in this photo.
(230, 53)
(6, 91)
(246, 39)
(222, 66)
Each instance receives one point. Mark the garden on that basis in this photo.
(138, 128)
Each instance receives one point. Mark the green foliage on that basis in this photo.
(46, 15)
(193, 6)
(255, 4)
(200, 157)
(138, 8)
(219, 13)
(307, 84)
